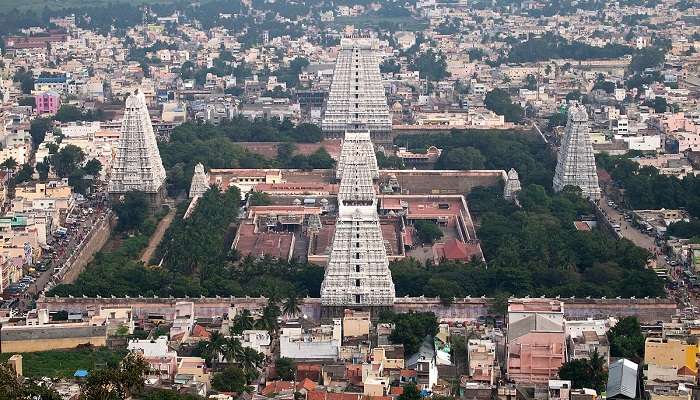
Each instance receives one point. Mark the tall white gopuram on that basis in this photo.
(576, 162)
(356, 100)
(137, 165)
(357, 145)
(357, 275)
(200, 181)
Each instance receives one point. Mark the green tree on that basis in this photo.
(231, 379)
(411, 328)
(10, 163)
(131, 211)
(215, 348)
(268, 320)
(390, 66)
(259, 199)
(93, 167)
(38, 128)
(67, 160)
(410, 392)
(285, 368)
(626, 339)
(462, 158)
(241, 322)
(231, 348)
(575, 95)
(291, 306)
(68, 113)
(498, 101)
(43, 168)
(431, 65)
(24, 174)
(428, 231)
(586, 373)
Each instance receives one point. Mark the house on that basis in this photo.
(424, 363)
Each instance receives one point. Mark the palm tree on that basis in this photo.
(231, 349)
(250, 360)
(291, 306)
(268, 321)
(215, 347)
(241, 322)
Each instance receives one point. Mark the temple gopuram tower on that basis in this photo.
(137, 165)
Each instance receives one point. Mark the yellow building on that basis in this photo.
(30, 338)
(670, 353)
(389, 356)
(356, 324)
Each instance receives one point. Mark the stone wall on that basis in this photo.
(82, 257)
(647, 310)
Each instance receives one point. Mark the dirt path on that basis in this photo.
(158, 236)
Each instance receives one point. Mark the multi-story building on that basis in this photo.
(47, 102)
(536, 346)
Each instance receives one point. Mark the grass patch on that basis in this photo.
(64, 363)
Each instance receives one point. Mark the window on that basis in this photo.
(357, 267)
(357, 298)
(357, 282)
(357, 256)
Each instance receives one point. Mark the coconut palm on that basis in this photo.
(242, 322)
(291, 306)
(250, 360)
(215, 347)
(268, 320)
(231, 349)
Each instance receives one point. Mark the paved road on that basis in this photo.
(63, 248)
(630, 232)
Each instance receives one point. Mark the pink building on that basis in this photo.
(536, 340)
(47, 102)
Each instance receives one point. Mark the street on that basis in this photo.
(62, 249)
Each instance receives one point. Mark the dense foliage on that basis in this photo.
(431, 65)
(530, 250)
(410, 328)
(554, 47)
(499, 150)
(626, 339)
(197, 262)
(428, 231)
(586, 373)
(215, 147)
(498, 101)
(646, 188)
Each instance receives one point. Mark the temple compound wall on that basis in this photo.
(646, 310)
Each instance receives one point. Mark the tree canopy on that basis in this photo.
(498, 101)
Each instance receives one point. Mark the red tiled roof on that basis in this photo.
(200, 331)
(453, 249)
(307, 384)
(408, 373)
(277, 387)
(396, 390)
